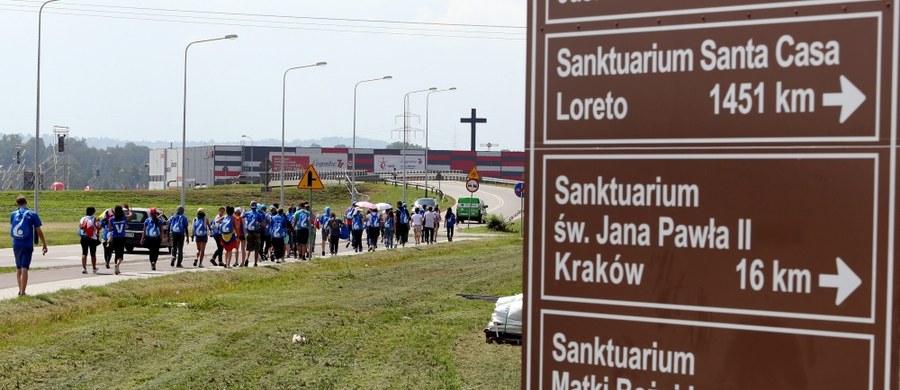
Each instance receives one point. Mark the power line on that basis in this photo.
(267, 24)
(286, 16)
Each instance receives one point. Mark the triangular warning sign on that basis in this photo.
(473, 175)
(310, 180)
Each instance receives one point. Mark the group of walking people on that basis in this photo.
(259, 233)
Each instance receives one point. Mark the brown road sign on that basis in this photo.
(814, 78)
(648, 223)
(575, 11)
(713, 199)
(310, 180)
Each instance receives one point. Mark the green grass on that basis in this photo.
(60, 211)
(7, 270)
(380, 321)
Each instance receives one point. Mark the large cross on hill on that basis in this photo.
(474, 120)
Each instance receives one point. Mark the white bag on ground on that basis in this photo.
(507, 317)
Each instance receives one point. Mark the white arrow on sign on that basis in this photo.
(846, 281)
(849, 99)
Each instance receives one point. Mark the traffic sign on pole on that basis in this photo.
(310, 180)
(714, 189)
(472, 185)
(473, 175)
(520, 190)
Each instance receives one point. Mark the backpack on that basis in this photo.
(199, 227)
(227, 225)
(177, 225)
(249, 221)
(87, 228)
(404, 217)
(17, 220)
(277, 227)
(302, 220)
(374, 222)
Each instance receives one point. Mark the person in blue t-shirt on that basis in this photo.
(23, 225)
(356, 229)
(151, 237)
(323, 221)
(117, 225)
(302, 228)
(200, 234)
(178, 227)
(449, 223)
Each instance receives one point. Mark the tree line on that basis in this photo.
(120, 167)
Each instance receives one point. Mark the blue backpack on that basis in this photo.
(227, 225)
(278, 227)
(404, 217)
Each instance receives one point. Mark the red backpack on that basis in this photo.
(88, 227)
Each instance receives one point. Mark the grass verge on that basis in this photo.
(379, 321)
(7, 270)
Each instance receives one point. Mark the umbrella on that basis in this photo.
(364, 204)
(383, 206)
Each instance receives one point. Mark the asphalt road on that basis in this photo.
(500, 200)
(61, 267)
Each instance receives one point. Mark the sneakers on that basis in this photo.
(95, 270)
(107, 264)
(214, 263)
(84, 271)
(173, 263)
(117, 269)
(195, 263)
(153, 266)
(200, 266)
(179, 266)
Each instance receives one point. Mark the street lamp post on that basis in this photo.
(406, 135)
(251, 154)
(283, 96)
(353, 151)
(427, 96)
(184, 115)
(37, 120)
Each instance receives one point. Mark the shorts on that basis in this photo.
(89, 245)
(253, 241)
(23, 256)
(230, 246)
(302, 236)
(201, 238)
(417, 228)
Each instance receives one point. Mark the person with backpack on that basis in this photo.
(356, 230)
(117, 224)
(252, 227)
(389, 221)
(151, 236)
(229, 237)
(106, 236)
(278, 231)
(89, 231)
(200, 235)
(449, 223)
(335, 225)
(240, 253)
(437, 223)
(373, 229)
(178, 226)
(215, 232)
(323, 224)
(302, 217)
(23, 225)
(403, 219)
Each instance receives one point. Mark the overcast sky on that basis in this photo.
(118, 73)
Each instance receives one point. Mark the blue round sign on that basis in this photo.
(520, 190)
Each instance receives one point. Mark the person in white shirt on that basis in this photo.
(428, 224)
(417, 225)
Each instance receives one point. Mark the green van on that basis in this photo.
(470, 209)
